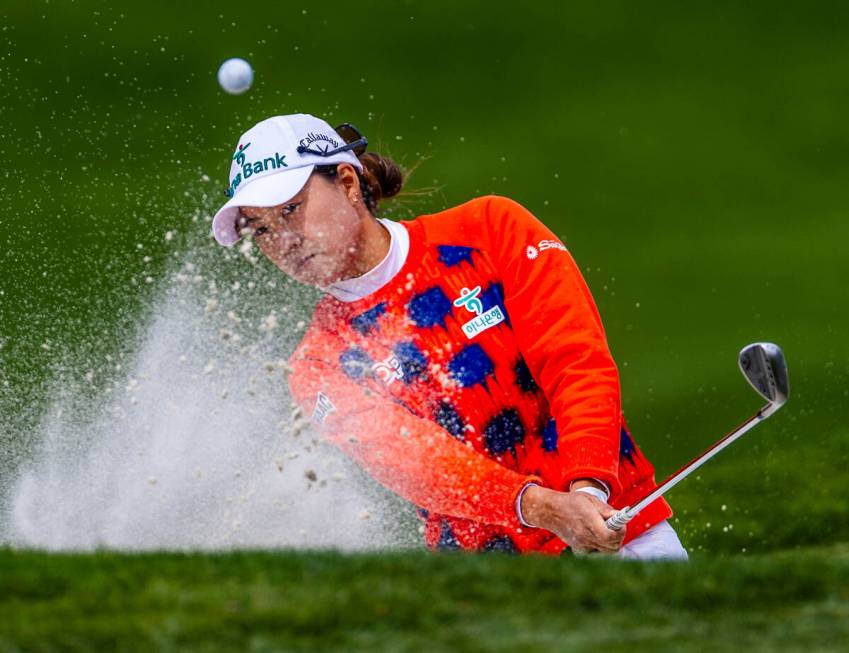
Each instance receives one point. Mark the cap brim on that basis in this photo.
(269, 190)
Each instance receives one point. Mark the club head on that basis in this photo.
(763, 365)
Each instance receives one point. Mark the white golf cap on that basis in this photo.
(267, 168)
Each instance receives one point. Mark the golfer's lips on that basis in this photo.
(300, 263)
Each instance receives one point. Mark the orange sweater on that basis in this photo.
(480, 366)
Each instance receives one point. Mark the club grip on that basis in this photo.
(618, 521)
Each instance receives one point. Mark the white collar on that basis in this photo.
(350, 290)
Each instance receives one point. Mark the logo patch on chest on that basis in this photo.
(483, 320)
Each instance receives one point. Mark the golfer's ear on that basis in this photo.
(346, 175)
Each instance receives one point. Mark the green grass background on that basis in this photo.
(693, 157)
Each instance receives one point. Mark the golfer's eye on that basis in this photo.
(289, 208)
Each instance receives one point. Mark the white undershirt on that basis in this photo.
(350, 290)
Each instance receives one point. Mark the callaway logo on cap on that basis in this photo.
(267, 167)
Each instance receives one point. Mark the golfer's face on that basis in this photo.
(312, 236)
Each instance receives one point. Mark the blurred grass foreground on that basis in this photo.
(288, 601)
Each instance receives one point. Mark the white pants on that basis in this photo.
(659, 542)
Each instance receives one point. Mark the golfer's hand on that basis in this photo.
(576, 518)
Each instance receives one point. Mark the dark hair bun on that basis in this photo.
(381, 177)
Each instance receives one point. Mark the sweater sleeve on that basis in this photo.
(561, 337)
(412, 456)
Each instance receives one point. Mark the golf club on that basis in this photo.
(764, 367)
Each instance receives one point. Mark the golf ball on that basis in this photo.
(235, 76)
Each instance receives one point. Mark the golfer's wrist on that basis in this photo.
(592, 486)
(530, 505)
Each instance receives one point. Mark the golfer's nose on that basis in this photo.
(289, 243)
